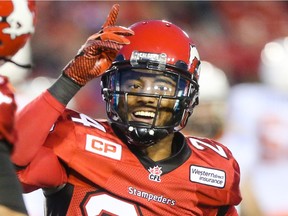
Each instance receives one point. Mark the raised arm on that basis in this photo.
(92, 60)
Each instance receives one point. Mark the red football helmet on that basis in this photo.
(17, 22)
(160, 36)
(158, 50)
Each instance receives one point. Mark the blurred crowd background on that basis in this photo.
(227, 34)
(249, 116)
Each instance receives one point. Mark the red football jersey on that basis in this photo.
(104, 176)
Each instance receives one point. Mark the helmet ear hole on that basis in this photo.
(182, 65)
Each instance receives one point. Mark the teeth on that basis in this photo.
(145, 114)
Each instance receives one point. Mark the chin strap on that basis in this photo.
(142, 136)
(25, 66)
(134, 136)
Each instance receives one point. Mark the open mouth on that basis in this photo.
(143, 116)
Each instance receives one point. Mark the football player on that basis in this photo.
(257, 133)
(16, 27)
(136, 162)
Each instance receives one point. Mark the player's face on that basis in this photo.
(152, 86)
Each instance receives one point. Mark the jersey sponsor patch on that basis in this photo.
(103, 147)
(207, 176)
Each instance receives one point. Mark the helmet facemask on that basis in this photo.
(148, 99)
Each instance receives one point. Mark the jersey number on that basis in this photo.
(104, 204)
(89, 122)
(201, 146)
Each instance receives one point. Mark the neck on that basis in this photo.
(161, 150)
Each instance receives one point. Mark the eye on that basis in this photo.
(134, 86)
(163, 88)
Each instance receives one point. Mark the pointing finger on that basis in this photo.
(111, 19)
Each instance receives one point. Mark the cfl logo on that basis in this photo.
(155, 173)
(154, 178)
(103, 147)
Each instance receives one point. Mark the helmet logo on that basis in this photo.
(153, 60)
(20, 20)
(194, 61)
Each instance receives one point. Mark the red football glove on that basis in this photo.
(97, 54)
(7, 111)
